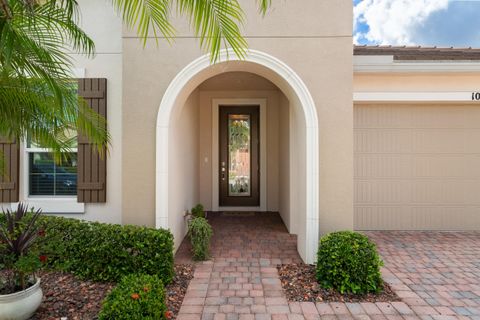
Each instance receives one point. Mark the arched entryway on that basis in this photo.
(268, 67)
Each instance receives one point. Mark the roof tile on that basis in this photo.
(419, 53)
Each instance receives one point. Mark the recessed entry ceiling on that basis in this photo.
(237, 81)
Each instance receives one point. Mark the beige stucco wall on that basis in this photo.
(107, 63)
(184, 159)
(318, 48)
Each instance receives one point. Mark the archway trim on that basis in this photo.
(307, 106)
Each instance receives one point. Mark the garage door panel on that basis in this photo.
(383, 141)
(440, 166)
(442, 140)
(383, 165)
(381, 218)
(417, 167)
(416, 218)
(451, 192)
(458, 116)
(378, 116)
(382, 191)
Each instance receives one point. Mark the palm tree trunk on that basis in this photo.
(6, 9)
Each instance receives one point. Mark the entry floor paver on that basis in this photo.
(436, 274)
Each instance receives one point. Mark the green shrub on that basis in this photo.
(135, 297)
(348, 261)
(200, 232)
(198, 211)
(107, 252)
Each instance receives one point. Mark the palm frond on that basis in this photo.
(37, 98)
(263, 6)
(216, 23)
(29, 110)
(147, 16)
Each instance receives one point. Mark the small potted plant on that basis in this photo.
(20, 291)
(198, 211)
(199, 232)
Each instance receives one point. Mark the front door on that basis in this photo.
(239, 142)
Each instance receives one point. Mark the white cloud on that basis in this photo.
(393, 21)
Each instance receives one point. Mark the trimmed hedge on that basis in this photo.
(348, 262)
(135, 297)
(107, 252)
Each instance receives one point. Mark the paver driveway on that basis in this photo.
(436, 274)
(433, 272)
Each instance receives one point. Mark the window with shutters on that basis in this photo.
(80, 177)
(47, 177)
(50, 178)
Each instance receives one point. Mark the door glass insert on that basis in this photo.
(239, 155)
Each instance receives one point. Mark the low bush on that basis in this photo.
(107, 252)
(200, 232)
(348, 262)
(135, 297)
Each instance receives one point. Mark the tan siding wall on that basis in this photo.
(417, 167)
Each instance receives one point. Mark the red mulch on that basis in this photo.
(65, 295)
(300, 284)
(68, 296)
(177, 289)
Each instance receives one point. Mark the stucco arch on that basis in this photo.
(289, 82)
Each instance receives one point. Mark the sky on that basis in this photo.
(442, 23)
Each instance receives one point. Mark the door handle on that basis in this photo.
(223, 170)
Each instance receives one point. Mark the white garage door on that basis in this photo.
(417, 167)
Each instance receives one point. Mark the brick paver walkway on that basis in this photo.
(436, 274)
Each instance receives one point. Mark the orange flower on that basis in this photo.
(135, 296)
(168, 314)
(146, 289)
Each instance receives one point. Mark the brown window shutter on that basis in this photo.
(9, 149)
(92, 168)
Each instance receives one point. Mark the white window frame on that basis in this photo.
(48, 204)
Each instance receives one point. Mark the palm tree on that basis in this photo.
(37, 97)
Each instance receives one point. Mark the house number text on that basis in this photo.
(475, 96)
